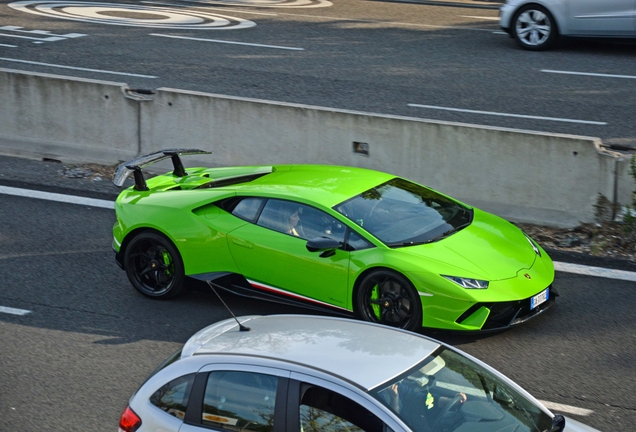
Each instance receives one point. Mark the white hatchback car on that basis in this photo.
(536, 24)
(290, 373)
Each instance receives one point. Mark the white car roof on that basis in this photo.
(363, 353)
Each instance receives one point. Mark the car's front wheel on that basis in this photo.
(154, 266)
(387, 297)
(534, 28)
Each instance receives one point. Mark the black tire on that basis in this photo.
(154, 266)
(387, 297)
(534, 28)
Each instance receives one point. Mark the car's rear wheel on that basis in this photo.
(534, 28)
(154, 266)
(387, 297)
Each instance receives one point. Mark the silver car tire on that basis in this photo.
(534, 28)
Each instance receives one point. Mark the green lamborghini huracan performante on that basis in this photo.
(351, 240)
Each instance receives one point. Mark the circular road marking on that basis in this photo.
(271, 3)
(132, 15)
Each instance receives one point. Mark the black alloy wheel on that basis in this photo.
(154, 266)
(534, 28)
(387, 297)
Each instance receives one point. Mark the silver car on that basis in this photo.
(536, 24)
(317, 374)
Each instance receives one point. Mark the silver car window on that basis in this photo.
(240, 401)
(323, 410)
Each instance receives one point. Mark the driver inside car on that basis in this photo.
(421, 404)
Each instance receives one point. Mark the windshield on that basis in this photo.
(402, 213)
(452, 393)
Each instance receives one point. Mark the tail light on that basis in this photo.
(129, 421)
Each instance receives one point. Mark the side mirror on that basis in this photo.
(558, 423)
(323, 244)
(501, 396)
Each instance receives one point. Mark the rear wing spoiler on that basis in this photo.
(134, 166)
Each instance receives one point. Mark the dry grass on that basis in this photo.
(606, 239)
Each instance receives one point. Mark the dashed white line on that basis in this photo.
(8, 46)
(595, 271)
(76, 68)
(50, 196)
(588, 74)
(14, 311)
(227, 42)
(509, 115)
(47, 39)
(481, 17)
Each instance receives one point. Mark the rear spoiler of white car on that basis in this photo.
(134, 166)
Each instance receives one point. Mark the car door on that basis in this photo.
(603, 18)
(273, 255)
(315, 405)
(234, 397)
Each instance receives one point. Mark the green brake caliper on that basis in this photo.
(167, 260)
(375, 295)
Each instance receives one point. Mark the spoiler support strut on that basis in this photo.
(134, 166)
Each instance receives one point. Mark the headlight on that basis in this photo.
(535, 248)
(468, 283)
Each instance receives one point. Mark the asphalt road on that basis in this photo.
(430, 59)
(90, 340)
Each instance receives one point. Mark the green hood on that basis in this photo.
(490, 248)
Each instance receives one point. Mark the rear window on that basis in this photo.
(172, 398)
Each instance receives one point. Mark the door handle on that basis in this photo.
(241, 242)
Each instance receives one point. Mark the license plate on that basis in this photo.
(542, 297)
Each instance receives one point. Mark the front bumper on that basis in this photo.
(505, 17)
(502, 315)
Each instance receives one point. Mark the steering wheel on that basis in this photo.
(449, 406)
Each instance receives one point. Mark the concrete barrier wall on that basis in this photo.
(70, 118)
(523, 176)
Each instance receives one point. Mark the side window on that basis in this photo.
(248, 208)
(300, 220)
(240, 401)
(323, 410)
(357, 242)
(173, 397)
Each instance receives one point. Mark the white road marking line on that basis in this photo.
(500, 32)
(560, 408)
(50, 196)
(595, 271)
(41, 32)
(481, 17)
(226, 42)
(92, 202)
(47, 39)
(8, 46)
(14, 311)
(218, 8)
(76, 68)
(588, 74)
(509, 115)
